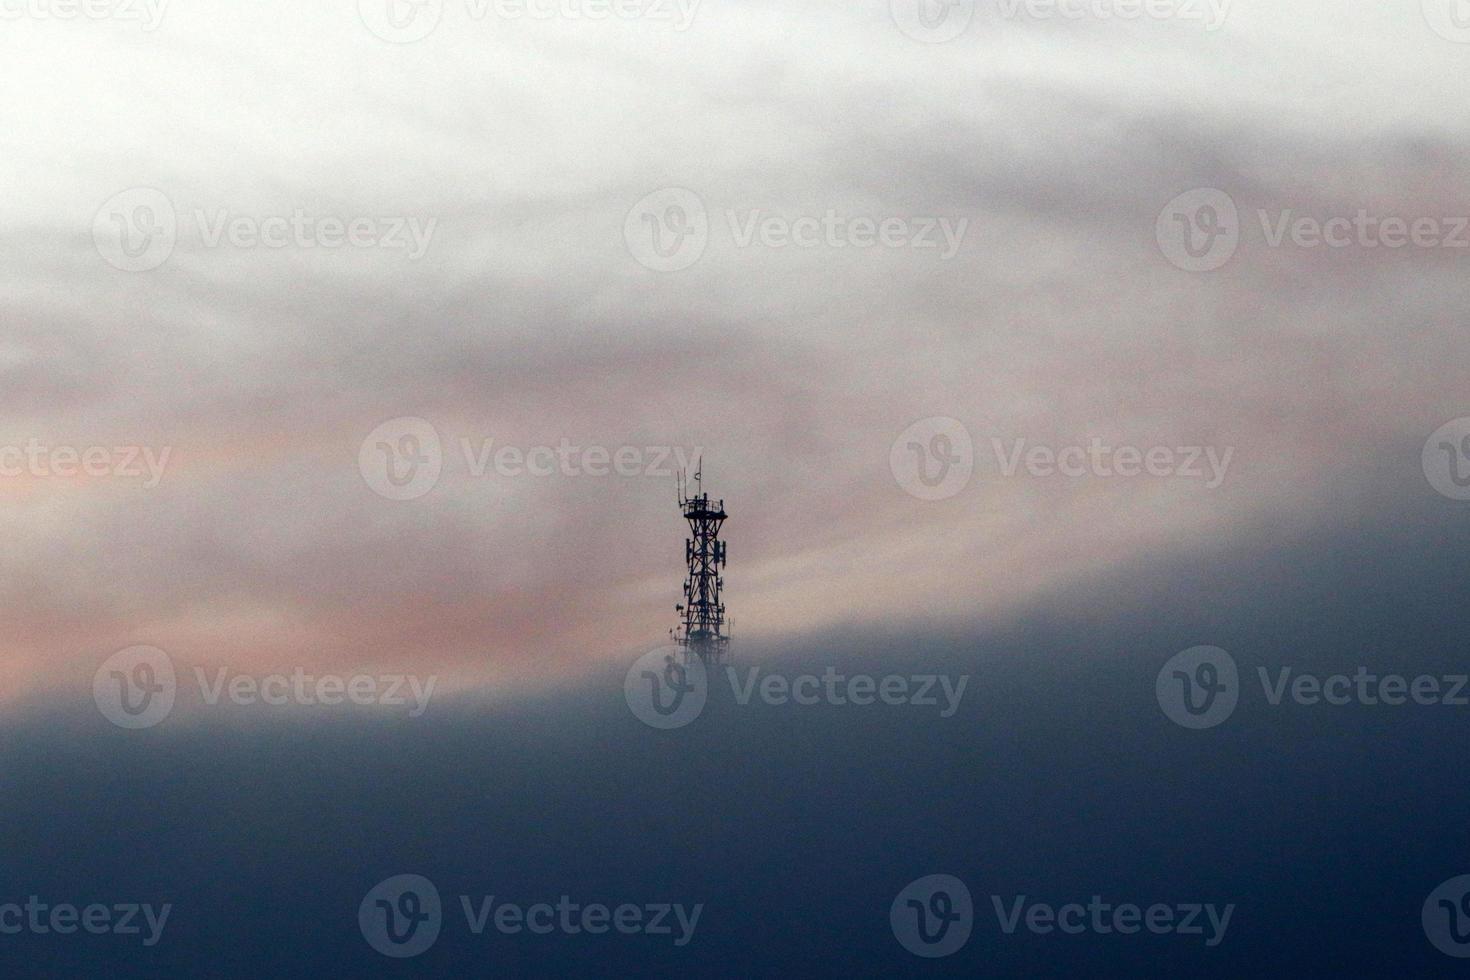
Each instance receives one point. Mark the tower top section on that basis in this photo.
(703, 629)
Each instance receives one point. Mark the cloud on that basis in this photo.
(529, 320)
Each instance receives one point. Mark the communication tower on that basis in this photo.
(703, 631)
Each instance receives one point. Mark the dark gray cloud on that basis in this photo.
(1058, 777)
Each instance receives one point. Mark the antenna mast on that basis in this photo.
(702, 632)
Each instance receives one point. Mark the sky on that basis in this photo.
(534, 156)
(1038, 350)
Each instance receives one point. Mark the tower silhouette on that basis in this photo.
(703, 632)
